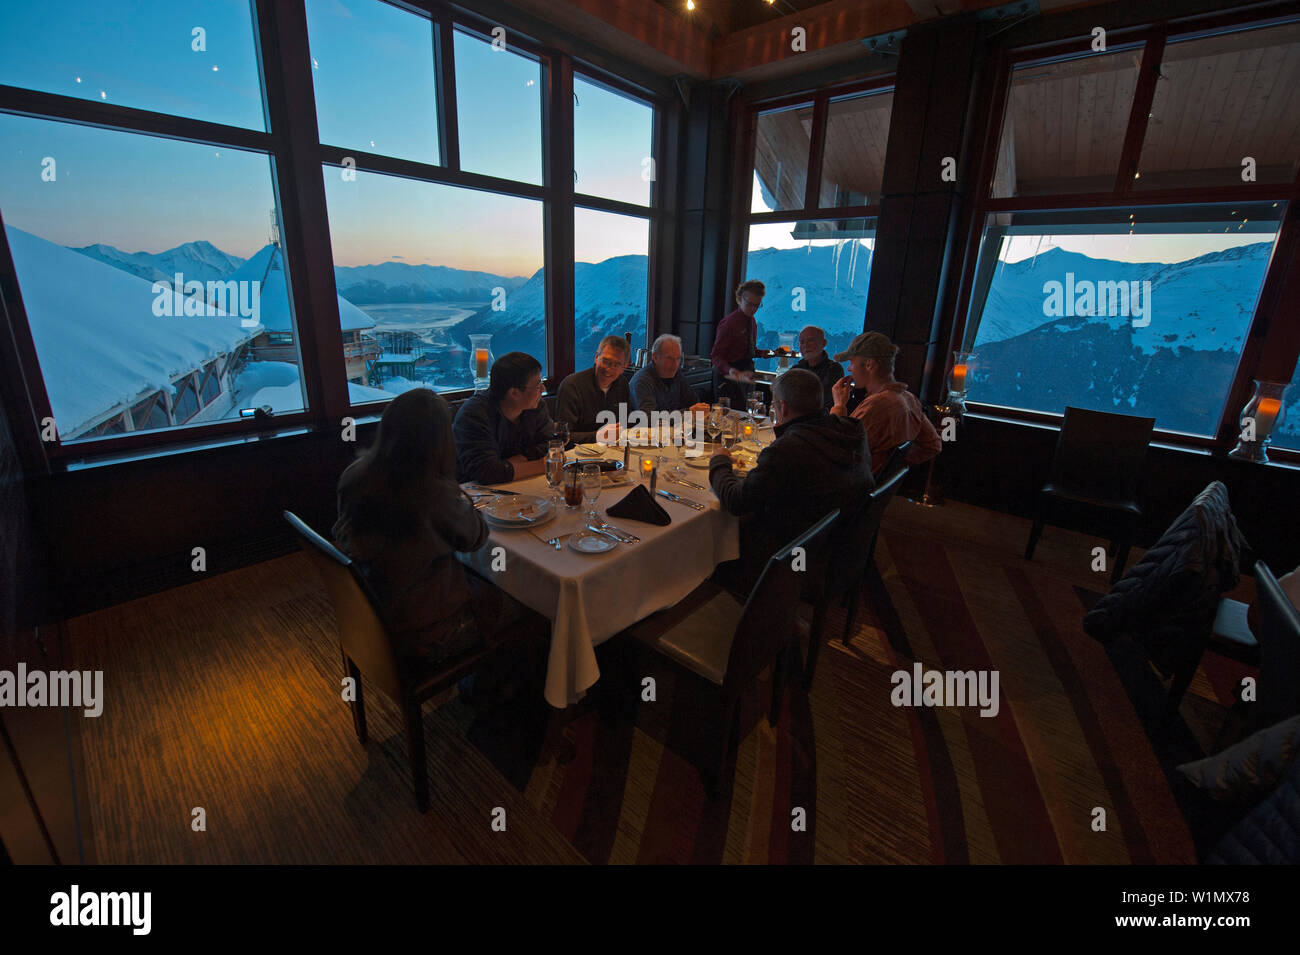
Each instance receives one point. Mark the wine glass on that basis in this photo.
(561, 432)
(729, 434)
(591, 487)
(714, 424)
(555, 469)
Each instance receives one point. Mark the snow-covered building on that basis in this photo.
(110, 362)
(278, 343)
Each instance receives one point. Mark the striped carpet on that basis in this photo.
(224, 694)
(1064, 773)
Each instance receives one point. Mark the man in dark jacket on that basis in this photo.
(501, 434)
(585, 394)
(818, 462)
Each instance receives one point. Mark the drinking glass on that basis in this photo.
(555, 469)
(725, 403)
(591, 486)
(714, 424)
(572, 489)
(729, 434)
(561, 432)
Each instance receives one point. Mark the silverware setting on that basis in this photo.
(674, 479)
(615, 533)
(680, 500)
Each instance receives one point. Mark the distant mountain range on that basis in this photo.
(1176, 369)
(197, 261)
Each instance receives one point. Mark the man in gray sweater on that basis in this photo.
(660, 385)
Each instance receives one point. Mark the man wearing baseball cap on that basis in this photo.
(890, 413)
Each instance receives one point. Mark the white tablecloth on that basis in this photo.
(589, 598)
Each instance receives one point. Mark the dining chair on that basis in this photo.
(368, 651)
(1279, 651)
(853, 546)
(895, 458)
(1096, 471)
(728, 644)
(1171, 602)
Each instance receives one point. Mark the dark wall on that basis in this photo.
(1002, 464)
(38, 806)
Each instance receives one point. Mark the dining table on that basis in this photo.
(590, 597)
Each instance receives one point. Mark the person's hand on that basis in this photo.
(608, 434)
(840, 390)
(744, 376)
(699, 406)
(721, 453)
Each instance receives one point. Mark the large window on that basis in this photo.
(1135, 199)
(131, 251)
(147, 164)
(614, 160)
(430, 264)
(373, 73)
(811, 239)
(1142, 312)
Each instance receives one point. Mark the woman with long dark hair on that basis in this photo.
(402, 518)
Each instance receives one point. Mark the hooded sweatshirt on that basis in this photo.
(818, 462)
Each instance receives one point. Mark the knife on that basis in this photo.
(491, 490)
(680, 500)
(601, 530)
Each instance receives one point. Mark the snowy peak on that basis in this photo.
(196, 261)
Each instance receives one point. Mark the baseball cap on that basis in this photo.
(869, 345)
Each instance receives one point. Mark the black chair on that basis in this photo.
(368, 650)
(1096, 471)
(729, 644)
(852, 549)
(895, 458)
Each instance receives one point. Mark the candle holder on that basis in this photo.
(480, 361)
(963, 366)
(1259, 419)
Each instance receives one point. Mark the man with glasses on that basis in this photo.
(733, 349)
(812, 345)
(660, 385)
(501, 434)
(585, 394)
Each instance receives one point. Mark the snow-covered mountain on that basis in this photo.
(1177, 369)
(196, 261)
(390, 283)
(1196, 304)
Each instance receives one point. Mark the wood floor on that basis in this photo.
(224, 695)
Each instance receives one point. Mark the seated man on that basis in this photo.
(501, 434)
(585, 394)
(890, 413)
(812, 345)
(818, 462)
(660, 385)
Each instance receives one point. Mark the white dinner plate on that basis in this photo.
(589, 543)
(519, 510)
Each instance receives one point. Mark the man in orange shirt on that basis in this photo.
(890, 413)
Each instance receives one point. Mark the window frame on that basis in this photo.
(297, 161)
(743, 169)
(1154, 40)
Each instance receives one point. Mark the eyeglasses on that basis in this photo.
(749, 301)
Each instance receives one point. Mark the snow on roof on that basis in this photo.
(275, 383)
(97, 337)
(267, 267)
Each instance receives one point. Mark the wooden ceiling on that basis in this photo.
(1217, 101)
(857, 131)
(749, 40)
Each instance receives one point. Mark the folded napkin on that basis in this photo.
(638, 505)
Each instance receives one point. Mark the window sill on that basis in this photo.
(1164, 445)
(114, 458)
